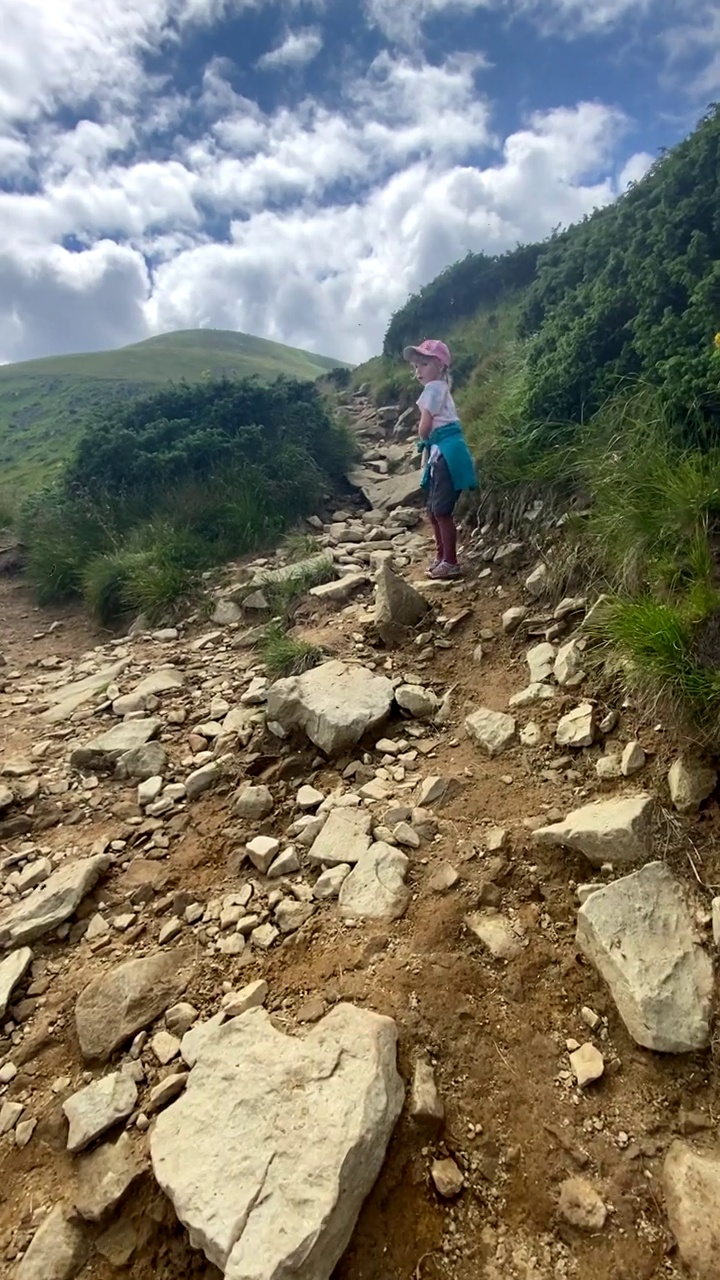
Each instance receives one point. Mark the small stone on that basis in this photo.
(404, 834)
(10, 1113)
(530, 734)
(590, 1018)
(251, 996)
(633, 759)
(426, 1105)
(493, 730)
(202, 779)
(149, 790)
(568, 665)
(291, 915)
(375, 888)
(496, 933)
(447, 1178)
(587, 1064)
(540, 660)
(496, 839)
(512, 618)
(24, 1132)
(262, 851)
(432, 789)
(12, 969)
(180, 1018)
(99, 1107)
(285, 864)
(170, 930)
(234, 945)
(165, 1047)
(264, 936)
(420, 703)
(444, 878)
(577, 728)
(609, 767)
(8, 1072)
(581, 1205)
(253, 803)
(536, 581)
(164, 1092)
(311, 1011)
(308, 797)
(329, 883)
(690, 783)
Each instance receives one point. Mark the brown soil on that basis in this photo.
(495, 1030)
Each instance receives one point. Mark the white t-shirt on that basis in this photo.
(439, 403)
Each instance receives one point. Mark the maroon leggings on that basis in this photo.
(445, 533)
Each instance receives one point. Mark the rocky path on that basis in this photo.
(412, 936)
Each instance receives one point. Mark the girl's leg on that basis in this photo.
(437, 534)
(448, 538)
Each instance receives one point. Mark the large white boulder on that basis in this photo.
(619, 831)
(638, 932)
(335, 704)
(275, 1143)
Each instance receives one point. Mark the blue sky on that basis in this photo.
(295, 168)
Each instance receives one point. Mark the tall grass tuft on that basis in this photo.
(284, 655)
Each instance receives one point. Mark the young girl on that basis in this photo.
(450, 467)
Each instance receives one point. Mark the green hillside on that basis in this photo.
(589, 365)
(44, 403)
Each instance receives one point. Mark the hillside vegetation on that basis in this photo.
(592, 363)
(45, 403)
(171, 484)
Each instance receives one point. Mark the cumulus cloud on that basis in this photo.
(402, 19)
(296, 50)
(308, 225)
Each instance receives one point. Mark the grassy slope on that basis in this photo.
(43, 402)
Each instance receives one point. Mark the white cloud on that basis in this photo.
(328, 278)
(308, 225)
(693, 48)
(296, 50)
(96, 297)
(402, 20)
(65, 52)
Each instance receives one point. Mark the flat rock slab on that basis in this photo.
(97, 1108)
(126, 998)
(619, 831)
(301, 569)
(164, 680)
(106, 750)
(493, 730)
(268, 1155)
(345, 837)
(12, 969)
(638, 932)
(57, 1251)
(105, 1176)
(53, 902)
(69, 697)
(334, 704)
(375, 888)
(691, 1181)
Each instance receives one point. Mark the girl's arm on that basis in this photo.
(425, 426)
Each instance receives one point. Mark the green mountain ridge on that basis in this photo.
(44, 403)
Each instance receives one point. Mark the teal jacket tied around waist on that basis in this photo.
(451, 443)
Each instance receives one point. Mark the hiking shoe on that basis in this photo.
(445, 570)
(434, 564)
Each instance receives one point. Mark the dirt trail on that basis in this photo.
(496, 1031)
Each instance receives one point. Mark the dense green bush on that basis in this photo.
(168, 485)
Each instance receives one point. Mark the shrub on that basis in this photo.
(169, 485)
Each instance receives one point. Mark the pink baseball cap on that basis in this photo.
(430, 347)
